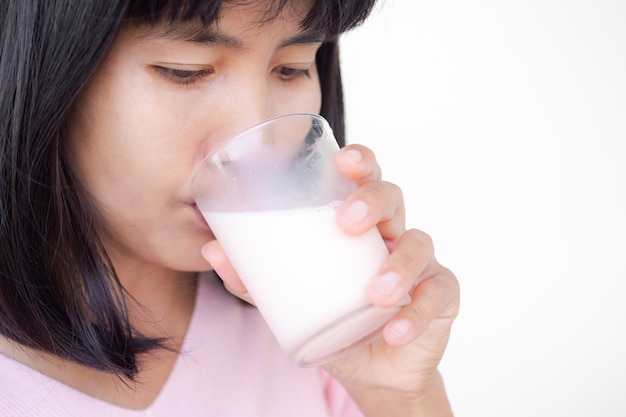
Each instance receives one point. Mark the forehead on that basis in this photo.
(236, 22)
(332, 16)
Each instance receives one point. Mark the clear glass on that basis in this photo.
(270, 196)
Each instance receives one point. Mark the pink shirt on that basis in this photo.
(230, 365)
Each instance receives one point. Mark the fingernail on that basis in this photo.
(387, 283)
(400, 328)
(357, 211)
(354, 155)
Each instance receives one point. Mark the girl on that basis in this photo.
(107, 106)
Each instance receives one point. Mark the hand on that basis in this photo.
(214, 254)
(403, 363)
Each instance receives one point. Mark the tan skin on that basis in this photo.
(145, 108)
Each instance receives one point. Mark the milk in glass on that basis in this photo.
(298, 263)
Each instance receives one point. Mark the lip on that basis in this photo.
(200, 218)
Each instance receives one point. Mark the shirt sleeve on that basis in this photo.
(340, 404)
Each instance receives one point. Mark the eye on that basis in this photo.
(289, 73)
(183, 77)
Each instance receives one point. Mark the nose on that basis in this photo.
(245, 103)
(245, 107)
(240, 101)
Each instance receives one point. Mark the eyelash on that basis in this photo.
(187, 77)
(183, 77)
(290, 74)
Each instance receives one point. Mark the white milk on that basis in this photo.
(301, 270)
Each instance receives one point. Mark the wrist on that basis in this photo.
(431, 401)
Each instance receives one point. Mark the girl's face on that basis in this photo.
(162, 98)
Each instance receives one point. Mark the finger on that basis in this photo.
(374, 203)
(214, 255)
(435, 302)
(358, 163)
(406, 266)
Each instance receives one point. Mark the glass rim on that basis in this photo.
(237, 137)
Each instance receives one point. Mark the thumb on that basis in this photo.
(215, 255)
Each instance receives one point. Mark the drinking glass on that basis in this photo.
(270, 196)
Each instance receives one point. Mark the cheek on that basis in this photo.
(304, 96)
(128, 129)
(316, 92)
(314, 101)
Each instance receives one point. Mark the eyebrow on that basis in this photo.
(195, 33)
(311, 36)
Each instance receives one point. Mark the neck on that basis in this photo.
(160, 300)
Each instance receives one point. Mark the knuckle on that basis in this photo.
(394, 189)
(373, 192)
(416, 313)
(423, 240)
(405, 262)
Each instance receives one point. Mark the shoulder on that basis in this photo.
(28, 392)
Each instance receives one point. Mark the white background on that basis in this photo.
(505, 124)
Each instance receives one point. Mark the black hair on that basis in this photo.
(58, 289)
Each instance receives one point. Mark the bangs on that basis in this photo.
(331, 17)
